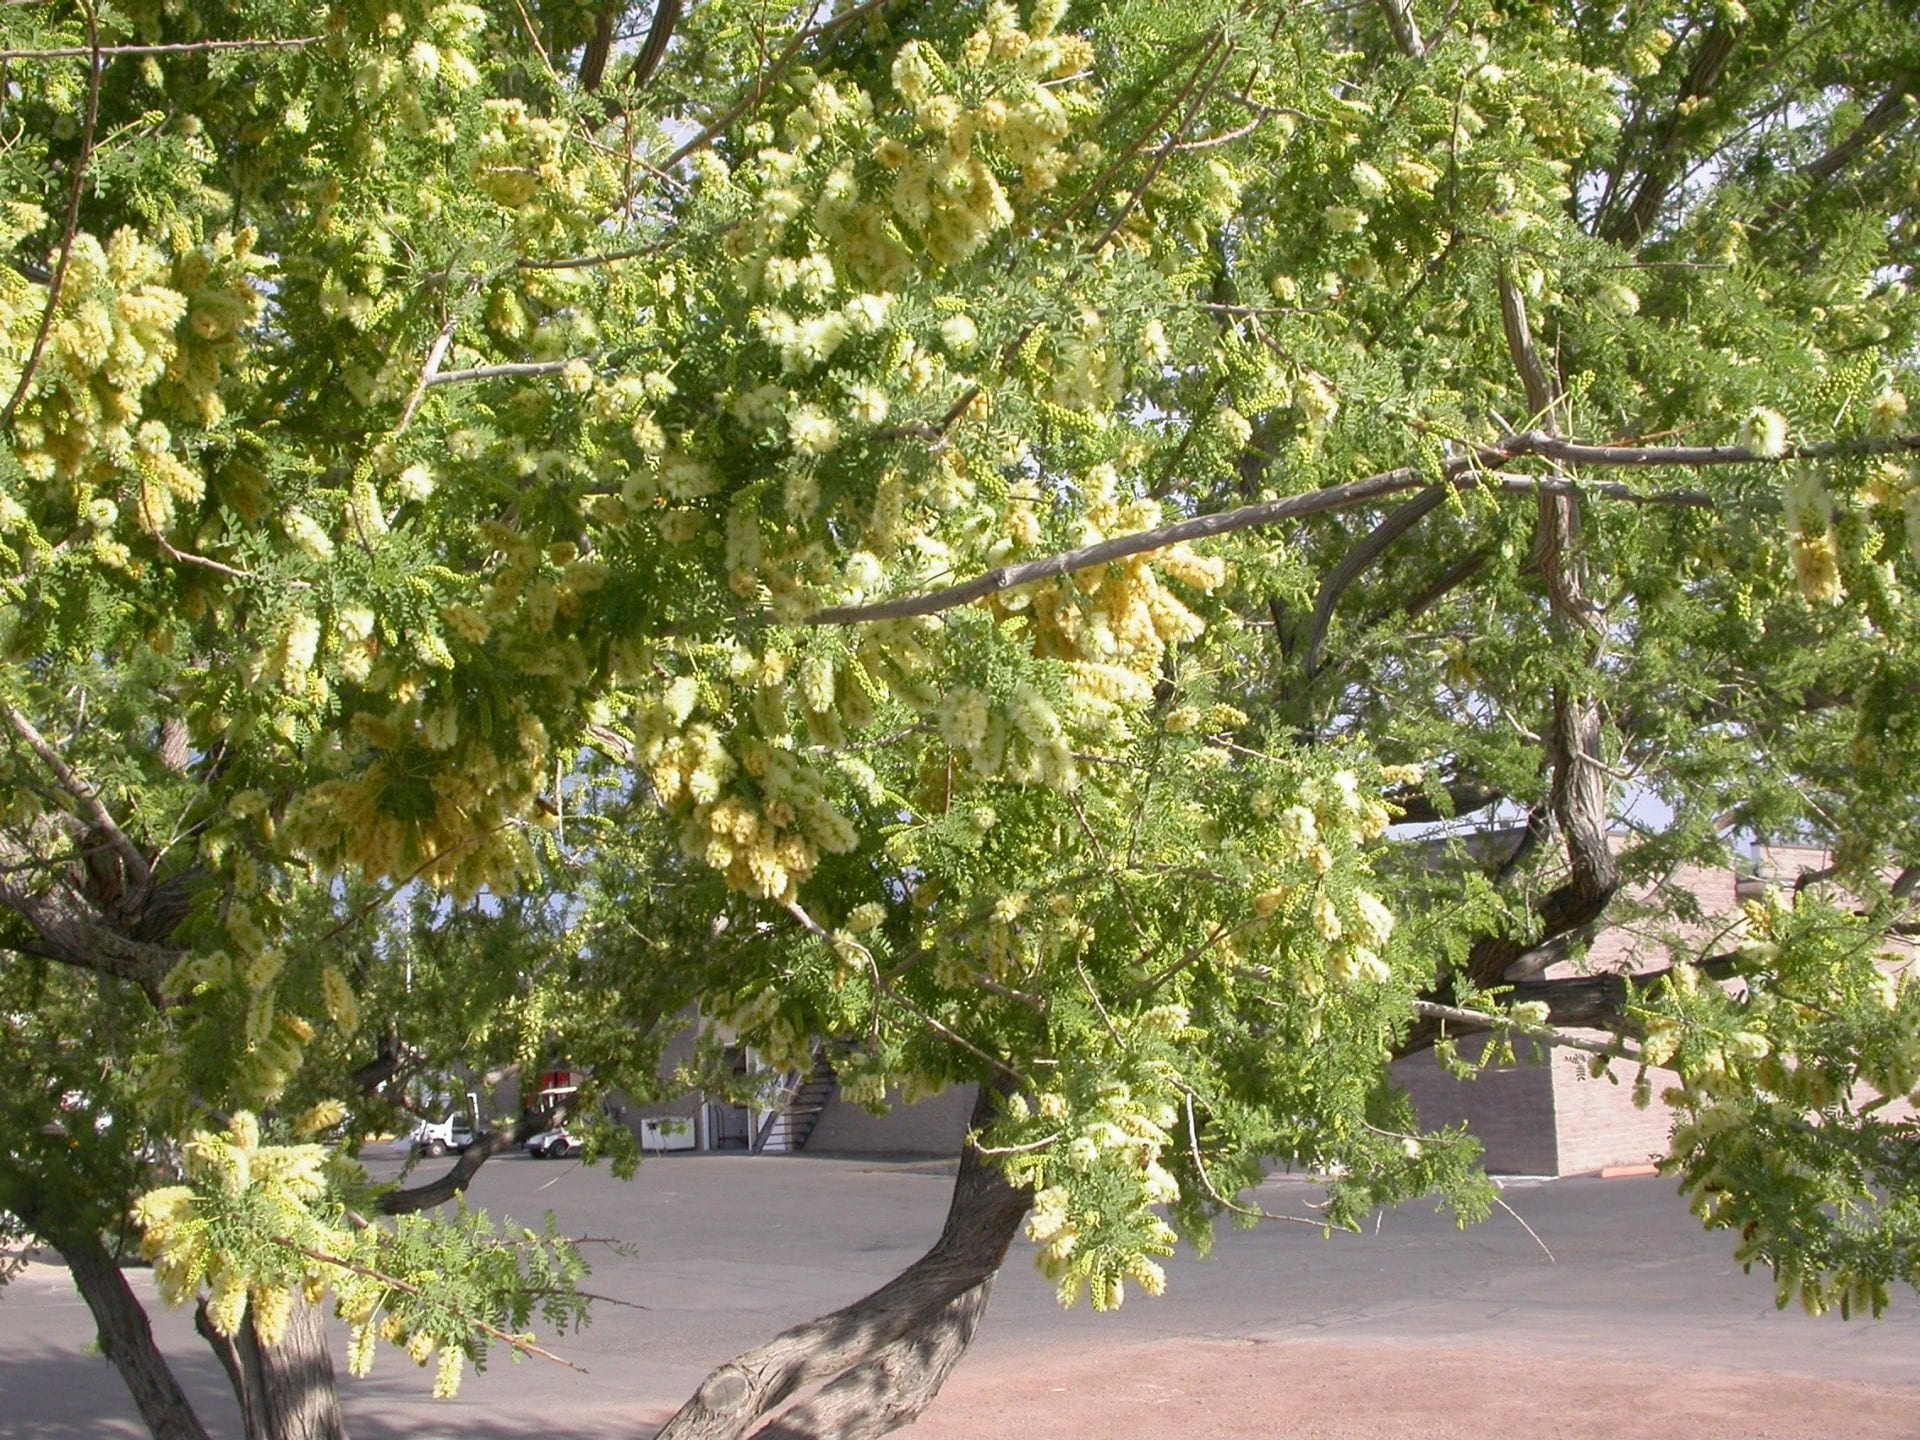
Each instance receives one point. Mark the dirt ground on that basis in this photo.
(1386, 1390)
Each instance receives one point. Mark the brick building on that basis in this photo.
(1547, 1115)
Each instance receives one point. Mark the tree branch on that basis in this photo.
(1546, 1034)
(666, 15)
(438, 1191)
(1475, 471)
(1356, 561)
(1404, 28)
(138, 874)
(1200, 92)
(519, 1343)
(770, 77)
(500, 372)
(1892, 111)
(1656, 175)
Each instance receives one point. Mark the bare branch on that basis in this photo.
(593, 60)
(501, 372)
(436, 353)
(1357, 560)
(1543, 396)
(1206, 1181)
(1656, 176)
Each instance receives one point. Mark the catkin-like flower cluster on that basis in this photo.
(1113, 624)
(236, 1227)
(138, 334)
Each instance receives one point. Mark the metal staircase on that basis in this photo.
(789, 1125)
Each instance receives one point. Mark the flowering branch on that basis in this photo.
(71, 225)
(519, 1343)
(1476, 471)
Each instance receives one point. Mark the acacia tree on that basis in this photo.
(1010, 507)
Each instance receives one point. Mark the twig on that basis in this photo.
(435, 354)
(1031, 1145)
(1528, 1228)
(1201, 93)
(1176, 147)
(1482, 1020)
(583, 262)
(184, 47)
(539, 48)
(203, 562)
(767, 78)
(1134, 150)
(523, 1345)
(1220, 932)
(1253, 1212)
(71, 225)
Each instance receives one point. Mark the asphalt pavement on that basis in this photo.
(715, 1253)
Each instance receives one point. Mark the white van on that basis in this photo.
(455, 1131)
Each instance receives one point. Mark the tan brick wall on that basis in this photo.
(1509, 1109)
(934, 1126)
(1598, 1123)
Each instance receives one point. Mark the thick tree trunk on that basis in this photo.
(286, 1390)
(892, 1386)
(127, 1339)
(883, 1358)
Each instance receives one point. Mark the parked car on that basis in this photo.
(553, 1144)
(436, 1137)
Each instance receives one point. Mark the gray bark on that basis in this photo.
(286, 1391)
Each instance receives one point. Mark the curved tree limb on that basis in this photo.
(444, 1187)
(1893, 110)
(1355, 561)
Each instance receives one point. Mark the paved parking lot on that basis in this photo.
(1639, 1324)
